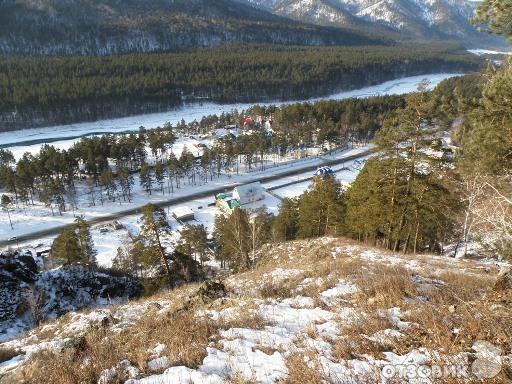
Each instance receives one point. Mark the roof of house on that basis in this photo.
(182, 212)
(248, 189)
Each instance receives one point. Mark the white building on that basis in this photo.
(249, 193)
(183, 214)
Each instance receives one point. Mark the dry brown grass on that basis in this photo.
(457, 314)
(276, 290)
(355, 337)
(245, 318)
(7, 354)
(301, 372)
(385, 286)
(240, 379)
(185, 336)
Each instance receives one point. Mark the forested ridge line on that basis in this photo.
(107, 27)
(59, 90)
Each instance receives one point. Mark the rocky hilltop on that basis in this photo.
(30, 295)
(324, 310)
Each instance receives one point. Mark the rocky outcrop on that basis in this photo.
(504, 281)
(18, 273)
(29, 296)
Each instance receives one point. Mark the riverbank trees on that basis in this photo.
(58, 90)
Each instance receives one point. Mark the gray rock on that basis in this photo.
(504, 281)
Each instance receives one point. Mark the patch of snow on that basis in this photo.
(159, 364)
(343, 288)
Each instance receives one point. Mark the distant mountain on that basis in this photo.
(101, 27)
(404, 19)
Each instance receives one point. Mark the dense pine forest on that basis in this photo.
(107, 27)
(50, 90)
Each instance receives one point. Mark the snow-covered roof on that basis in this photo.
(249, 189)
(248, 192)
(182, 212)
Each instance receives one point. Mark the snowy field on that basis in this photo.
(328, 314)
(63, 136)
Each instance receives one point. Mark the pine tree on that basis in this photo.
(107, 180)
(487, 147)
(126, 183)
(66, 248)
(5, 204)
(87, 250)
(401, 197)
(173, 169)
(236, 241)
(218, 239)
(321, 209)
(286, 223)
(495, 15)
(160, 175)
(154, 221)
(195, 242)
(146, 178)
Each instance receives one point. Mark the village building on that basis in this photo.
(183, 214)
(226, 203)
(249, 193)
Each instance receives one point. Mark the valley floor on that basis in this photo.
(324, 310)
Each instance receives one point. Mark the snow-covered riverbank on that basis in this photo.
(30, 140)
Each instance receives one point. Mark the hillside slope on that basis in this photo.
(69, 27)
(403, 19)
(325, 310)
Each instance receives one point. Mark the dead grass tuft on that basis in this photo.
(303, 368)
(247, 318)
(275, 290)
(386, 286)
(7, 354)
(355, 340)
(185, 335)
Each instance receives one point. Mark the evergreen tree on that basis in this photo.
(236, 240)
(495, 15)
(108, 182)
(154, 222)
(195, 242)
(87, 250)
(66, 248)
(146, 178)
(126, 183)
(218, 239)
(160, 175)
(5, 203)
(487, 146)
(321, 209)
(286, 223)
(401, 197)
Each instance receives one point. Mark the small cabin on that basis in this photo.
(183, 214)
(249, 193)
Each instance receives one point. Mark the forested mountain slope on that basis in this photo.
(102, 27)
(403, 19)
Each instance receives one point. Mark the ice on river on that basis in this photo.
(63, 136)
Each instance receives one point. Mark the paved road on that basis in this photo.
(193, 196)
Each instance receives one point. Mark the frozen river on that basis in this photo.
(30, 140)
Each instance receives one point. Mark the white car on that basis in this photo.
(14, 238)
